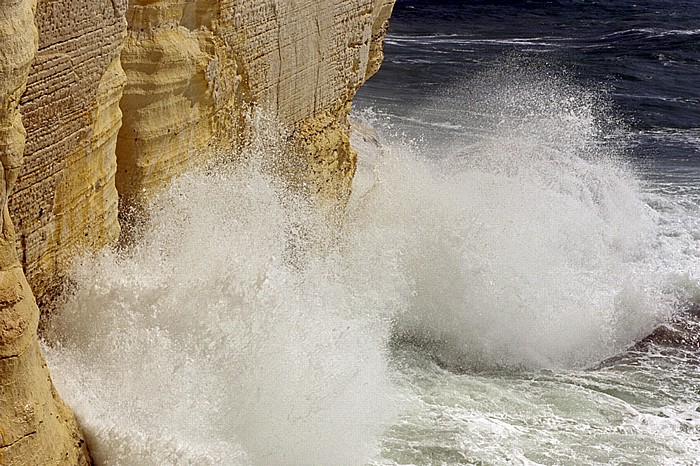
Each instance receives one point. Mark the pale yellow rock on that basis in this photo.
(195, 68)
(166, 104)
(65, 201)
(36, 428)
(111, 113)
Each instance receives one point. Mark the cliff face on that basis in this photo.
(194, 69)
(65, 200)
(102, 103)
(35, 426)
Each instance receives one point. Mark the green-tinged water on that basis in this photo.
(639, 408)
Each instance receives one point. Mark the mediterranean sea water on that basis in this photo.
(526, 210)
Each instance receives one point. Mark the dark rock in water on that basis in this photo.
(682, 332)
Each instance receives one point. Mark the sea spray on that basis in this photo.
(527, 241)
(245, 327)
(205, 343)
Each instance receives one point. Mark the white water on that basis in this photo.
(528, 241)
(244, 327)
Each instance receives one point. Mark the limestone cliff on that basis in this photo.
(65, 200)
(101, 103)
(195, 67)
(35, 426)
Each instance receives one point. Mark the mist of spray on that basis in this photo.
(245, 327)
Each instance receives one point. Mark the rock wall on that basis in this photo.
(102, 104)
(195, 67)
(191, 70)
(65, 200)
(35, 426)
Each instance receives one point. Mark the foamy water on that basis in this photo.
(244, 327)
(529, 241)
(221, 338)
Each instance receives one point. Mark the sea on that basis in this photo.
(525, 214)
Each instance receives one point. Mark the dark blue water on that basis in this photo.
(645, 56)
(536, 97)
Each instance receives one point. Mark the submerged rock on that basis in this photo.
(682, 332)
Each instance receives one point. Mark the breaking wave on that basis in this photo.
(246, 326)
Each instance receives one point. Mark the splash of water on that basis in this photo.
(243, 327)
(527, 242)
(215, 341)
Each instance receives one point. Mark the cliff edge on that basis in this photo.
(102, 103)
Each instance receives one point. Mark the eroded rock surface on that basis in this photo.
(65, 201)
(35, 425)
(93, 112)
(194, 69)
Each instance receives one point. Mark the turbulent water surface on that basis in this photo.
(526, 209)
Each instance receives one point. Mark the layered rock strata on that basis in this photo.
(35, 425)
(195, 67)
(93, 112)
(65, 201)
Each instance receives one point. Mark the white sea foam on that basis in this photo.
(527, 243)
(224, 337)
(244, 327)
